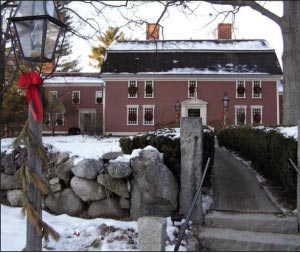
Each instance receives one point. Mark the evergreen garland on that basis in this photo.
(28, 176)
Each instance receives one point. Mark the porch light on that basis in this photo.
(225, 101)
(38, 28)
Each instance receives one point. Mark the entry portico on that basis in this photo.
(194, 108)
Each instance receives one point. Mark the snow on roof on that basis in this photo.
(191, 45)
(73, 79)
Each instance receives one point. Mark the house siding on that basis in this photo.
(166, 92)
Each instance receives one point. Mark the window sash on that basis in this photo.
(240, 83)
(131, 109)
(134, 84)
(190, 84)
(240, 110)
(148, 109)
(256, 95)
(149, 83)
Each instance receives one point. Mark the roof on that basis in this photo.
(74, 78)
(191, 57)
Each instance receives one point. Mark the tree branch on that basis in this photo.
(252, 4)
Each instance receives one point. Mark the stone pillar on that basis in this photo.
(152, 233)
(298, 179)
(191, 166)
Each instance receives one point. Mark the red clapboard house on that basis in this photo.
(81, 94)
(143, 80)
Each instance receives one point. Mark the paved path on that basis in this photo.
(236, 187)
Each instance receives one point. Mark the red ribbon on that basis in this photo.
(30, 81)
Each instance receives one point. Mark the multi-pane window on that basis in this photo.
(132, 114)
(132, 89)
(60, 119)
(149, 89)
(148, 115)
(47, 119)
(256, 89)
(98, 97)
(192, 92)
(75, 97)
(54, 93)
(240, 114)
(240, 89)
(256, 114)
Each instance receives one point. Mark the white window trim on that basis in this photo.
(48, 116)
(253, 84)
(236, 107)
(261, 110)
(237, 85)
(73, 92)
(137, 114)
(63, 118)
(144, 109)
(145, 84)
(98, 92)
(136, 85)
(196, 88)
(54, 93)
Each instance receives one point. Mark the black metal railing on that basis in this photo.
(189, 215)
(294, 166)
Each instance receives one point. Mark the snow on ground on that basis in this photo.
(78, 234)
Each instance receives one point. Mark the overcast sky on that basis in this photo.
(177, 24)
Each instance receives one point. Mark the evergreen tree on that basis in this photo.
(98, 52)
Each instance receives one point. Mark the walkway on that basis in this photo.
(236, 187)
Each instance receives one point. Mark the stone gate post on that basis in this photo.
(191, 166)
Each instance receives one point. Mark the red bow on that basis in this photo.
(30, 81)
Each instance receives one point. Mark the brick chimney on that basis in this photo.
(224, 31)
(152, 32)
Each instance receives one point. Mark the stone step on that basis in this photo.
(259, 222)
(219, 239)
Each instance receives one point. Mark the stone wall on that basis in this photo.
(115, 186)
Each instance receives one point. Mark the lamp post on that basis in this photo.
(177, 110)
(225, 102)
(37, 26)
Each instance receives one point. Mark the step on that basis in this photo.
(219, 239)
(259, 222)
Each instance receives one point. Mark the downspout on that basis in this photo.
(103, 107)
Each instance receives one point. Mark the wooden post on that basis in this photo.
(33, 240)
(298, 179)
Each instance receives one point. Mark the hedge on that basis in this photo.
(170, 147)
(268, 151)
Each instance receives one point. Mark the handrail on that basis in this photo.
(182, 229)
(294, 166)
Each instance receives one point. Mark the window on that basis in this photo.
(98, 97)
(256, 114)
(60, 119)
(132, 114)
(192, 92)
(132, 89)
(54, 93)
(240, 89)
(75, 97)
(148, 115)
(47, 119)
(149, 89)
(240, 114)
(256, 89)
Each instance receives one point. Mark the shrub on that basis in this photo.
(268, 151)
(170, 147)
(74, 131)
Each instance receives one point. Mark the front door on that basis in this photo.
(193, 112)
(87, 122)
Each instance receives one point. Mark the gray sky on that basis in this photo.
(177, 24)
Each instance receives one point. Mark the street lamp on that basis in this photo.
(37, 26)
(177, 110)
(225, 102)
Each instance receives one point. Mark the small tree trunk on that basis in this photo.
(33, 240)
(291, 62)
